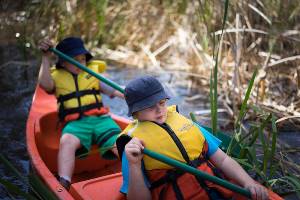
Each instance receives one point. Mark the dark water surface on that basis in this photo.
(16, 100)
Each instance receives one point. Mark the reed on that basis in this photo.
(37, 189)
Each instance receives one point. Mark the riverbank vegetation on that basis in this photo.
(249, 68)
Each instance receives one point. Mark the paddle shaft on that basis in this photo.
(84, 68)
(196, 172)
(152, 154)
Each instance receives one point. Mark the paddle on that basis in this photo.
(84, 68)
(152, 154)
(196, 172)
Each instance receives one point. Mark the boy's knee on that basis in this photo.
(68, 140)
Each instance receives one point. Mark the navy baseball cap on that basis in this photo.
(143, 92)
(72, 46)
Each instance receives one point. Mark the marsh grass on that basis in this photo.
(37, 189)
(268, 28)
(258, 140)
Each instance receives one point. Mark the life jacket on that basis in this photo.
(180, 139)
(78, 94)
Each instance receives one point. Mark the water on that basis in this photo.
(176, 92)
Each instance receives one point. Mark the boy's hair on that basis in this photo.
(72, 46)
(142, 93)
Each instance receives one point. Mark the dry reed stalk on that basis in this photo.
(260, 13)
(172, 45)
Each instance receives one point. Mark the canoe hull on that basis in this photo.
(42, 138)
(94, 177)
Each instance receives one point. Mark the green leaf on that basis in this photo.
(294, 182)
(248, 92)
(212, 106)
(16, 190)
(12, 169)
(273, 146)
(40, 189)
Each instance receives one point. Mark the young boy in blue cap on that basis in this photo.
(86, 120)
(164, 130)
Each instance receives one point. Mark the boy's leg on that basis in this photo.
(115, 150)
(76, 139)
(106, 132)
(66, 155)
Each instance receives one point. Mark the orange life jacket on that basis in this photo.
(174, 184)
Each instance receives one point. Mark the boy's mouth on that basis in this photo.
(161, 117)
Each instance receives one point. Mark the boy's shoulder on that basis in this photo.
(98, 65)
(173, 108)
(130, 127)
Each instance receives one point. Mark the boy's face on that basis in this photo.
(72, 68)
(156, 113)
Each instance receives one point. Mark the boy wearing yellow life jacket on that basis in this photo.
(164, 130)
(86, 120)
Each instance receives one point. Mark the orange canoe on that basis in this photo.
(94, 178)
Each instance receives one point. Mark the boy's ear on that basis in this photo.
(121, 142)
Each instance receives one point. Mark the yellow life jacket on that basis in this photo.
(159, 138)
(77, 94)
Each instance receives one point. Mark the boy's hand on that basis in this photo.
(258, 192)
(44, 46)
(133, 150)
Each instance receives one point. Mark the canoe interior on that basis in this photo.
(92, 175)
(47, 140)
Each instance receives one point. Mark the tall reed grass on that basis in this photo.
(111, 23)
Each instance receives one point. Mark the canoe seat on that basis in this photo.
(105, 187)
(47, 140)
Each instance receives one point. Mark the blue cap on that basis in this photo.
(72, 46)
(143, 92)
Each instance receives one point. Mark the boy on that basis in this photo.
(165, 131)
(80, 108)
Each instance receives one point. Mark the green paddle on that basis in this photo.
(186, 168)
(84, 68)
(152, 154)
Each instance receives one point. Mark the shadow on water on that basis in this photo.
(16, 99)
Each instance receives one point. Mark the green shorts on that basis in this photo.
(101, 130)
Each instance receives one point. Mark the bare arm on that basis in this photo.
(137, 188)
(234, 171)
(111, 92)
(118, 94)
(45, 80)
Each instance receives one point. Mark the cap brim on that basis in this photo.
(147, 102)
(74, 53)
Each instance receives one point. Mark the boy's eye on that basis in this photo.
(162, 102)
(80, 58)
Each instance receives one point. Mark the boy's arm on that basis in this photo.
(234, 171)
(118, 94)
(111, 92)
(45, 80)
(137, 188)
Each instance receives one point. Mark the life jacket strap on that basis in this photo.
(173, 175)
(64, 112)
(77, 94)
